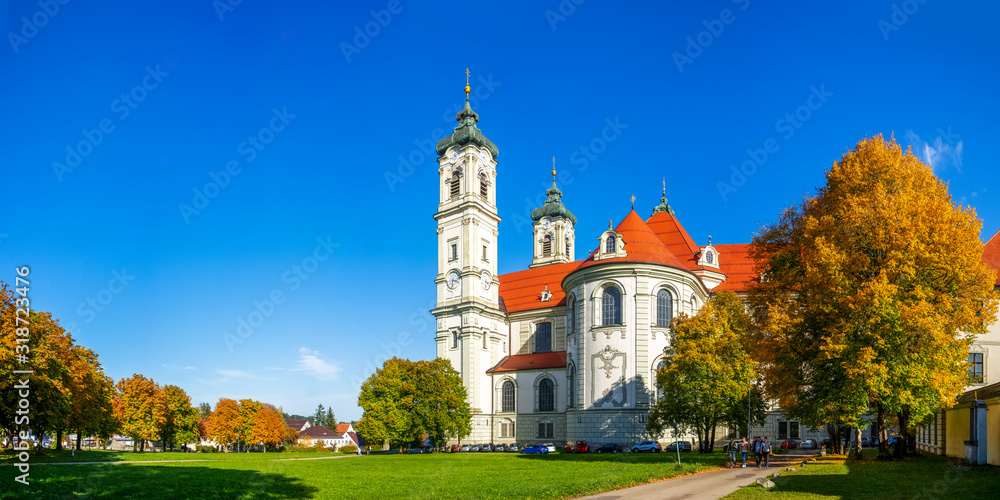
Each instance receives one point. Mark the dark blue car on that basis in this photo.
(535, 449)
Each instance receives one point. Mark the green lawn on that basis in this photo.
(48, 456)
(923, 477)
(440, 475)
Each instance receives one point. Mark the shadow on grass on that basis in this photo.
(700, 459)
(152, 482)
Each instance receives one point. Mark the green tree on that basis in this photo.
(872, 290)
(319, 416)
(404, 400)
(182, 418)
(441, 408)
(707, 371)
(204, 410)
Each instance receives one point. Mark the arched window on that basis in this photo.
(543, 337)
(609, 247)
(547, 246)
(571, 383)
(571, 315)
(568, 248)
(506, 428)
(546, 395)
(456, 186)
(611, 306)
(709, 256)
(484, 187)
(507, 396)
(664, 307)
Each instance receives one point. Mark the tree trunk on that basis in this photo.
(857, 444)
(711, 442)
(78, 436)
(59, 434)
(879, 430)
(899, 450)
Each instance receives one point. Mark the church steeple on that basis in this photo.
(466, 132)
(663, 207)
(553, 237)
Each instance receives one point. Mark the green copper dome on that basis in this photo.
(466, 132)
(553, 206)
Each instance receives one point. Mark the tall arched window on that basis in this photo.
(571, 315)
(484, 187)
(664, 307)
(547, 246)
(571, 383)
(609, 247)
(543, 337)
(611, 306)
(507, 396)
(546, 395)
(456, 186)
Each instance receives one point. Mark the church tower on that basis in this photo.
(553, 238)
(469, 320)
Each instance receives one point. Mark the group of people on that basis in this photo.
(761, 449)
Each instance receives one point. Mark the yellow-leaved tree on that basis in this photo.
(869, 294)
(140, 408)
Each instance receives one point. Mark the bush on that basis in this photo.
(205, 449)
(348, 449)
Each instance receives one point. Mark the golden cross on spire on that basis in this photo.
(553, 169)
(633, 201)
(467, 89)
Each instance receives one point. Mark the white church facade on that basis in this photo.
(566, 349)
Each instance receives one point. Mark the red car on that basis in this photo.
(789, 444)
(581, 447)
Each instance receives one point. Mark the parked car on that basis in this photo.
(513, 447)
(570, 447)
(464, 447)
(500, 447)
(865, 442)
(683, 445)
(474, 447)
(789, 444)
(535, 449)
(551, 447)
(609, 448)
(809, 444)
(456, 448)
(486, 447)
(581, 447)
(650, 446)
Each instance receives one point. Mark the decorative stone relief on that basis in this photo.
(608, 378)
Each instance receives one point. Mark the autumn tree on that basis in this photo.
(871, 291)
(440, 408)
(225, 422)
(92, 393)
(140, 407)
(707, 371)
(248, 414)
(268, 428)
(182, 418)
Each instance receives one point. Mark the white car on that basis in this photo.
(550, 446)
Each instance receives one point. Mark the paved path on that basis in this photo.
(714, 484)
(33, 464)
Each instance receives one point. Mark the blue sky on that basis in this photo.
(302, 149)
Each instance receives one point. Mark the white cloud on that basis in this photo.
(316, 367)
(229, 376)
(939, 153)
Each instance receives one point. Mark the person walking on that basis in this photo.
(732, 453)
(744, 448)
(756, 450)
(765, 449)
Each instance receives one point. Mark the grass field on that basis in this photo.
(923, 477)
(440, 475)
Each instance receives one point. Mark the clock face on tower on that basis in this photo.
(454, 155)
(546, 223)
(486, 279)
(453, 279)
(483, 157)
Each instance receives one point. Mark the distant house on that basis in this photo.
(321, 435)
(299, 424)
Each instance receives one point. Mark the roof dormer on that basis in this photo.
(612, 245)
(708, 256)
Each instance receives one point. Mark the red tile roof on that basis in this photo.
(991, 254)
(318, 431)
(537, 361)
(672, 234)
(522, 290)
(342, 428)
(737, 265)
(641, 245)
